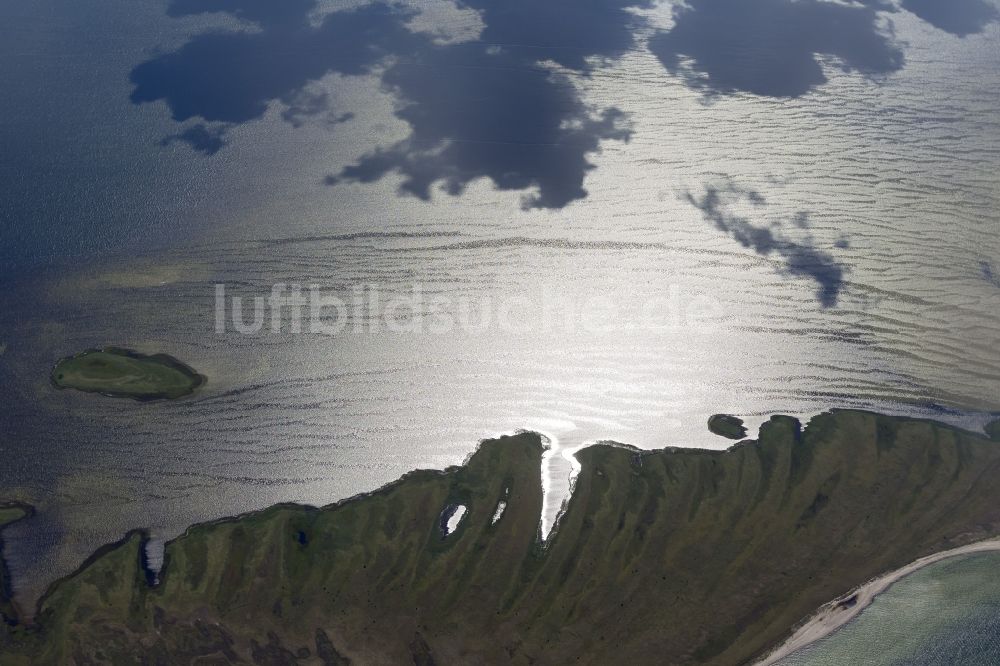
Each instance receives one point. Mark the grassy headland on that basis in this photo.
(676, 556)
(121, 373)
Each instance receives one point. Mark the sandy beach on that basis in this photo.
(839, 612)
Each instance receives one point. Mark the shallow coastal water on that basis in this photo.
(947, 613)
(881, 194)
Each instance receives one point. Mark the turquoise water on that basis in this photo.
(948, 613)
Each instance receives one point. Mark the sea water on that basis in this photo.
(946, 613)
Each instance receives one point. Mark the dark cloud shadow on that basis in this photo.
(800, 258)
(202, 138)
(264, 12)
(475, 114)
(494, 109)
(959, 17)
(567, 32)
(770, 47)
(991, 276)
(497, 108)
(231, 77)
(311, 106)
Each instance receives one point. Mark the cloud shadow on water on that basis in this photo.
(991, 276)
(202, 138)
(263, 12)
(474, 114)
(500, 108)
(800, 258)
(232, 77)
(496, 108)
(959, 17)
(770, 47)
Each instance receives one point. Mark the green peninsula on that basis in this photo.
(675, 556)
(10, 512)
(121, 373)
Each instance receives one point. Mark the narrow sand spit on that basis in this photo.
(839, 612)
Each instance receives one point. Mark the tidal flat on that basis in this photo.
(672, 556)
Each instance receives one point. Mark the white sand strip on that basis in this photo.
(839, 612)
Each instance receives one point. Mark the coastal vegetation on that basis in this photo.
(676, 556)
(121, 373)
(10, 512)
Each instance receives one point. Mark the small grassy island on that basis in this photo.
(676, 556)
(727, 426)
(121, 373)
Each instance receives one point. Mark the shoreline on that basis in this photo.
(624, 500)
(837, 613)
